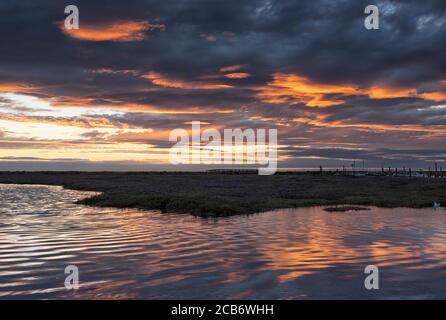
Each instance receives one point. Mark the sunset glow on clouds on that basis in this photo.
(297, 89)
(159, 80)
(120, 31)
(15, 87)
(237, 75)
(112, 91)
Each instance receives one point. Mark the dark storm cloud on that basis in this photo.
(405, 111)
(322, 39)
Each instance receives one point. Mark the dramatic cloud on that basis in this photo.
(120, 31)
(16, 88)
(111, 91)
(159, 80)
(237, 75)
(288, 88)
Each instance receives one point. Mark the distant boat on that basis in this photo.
(437, 205)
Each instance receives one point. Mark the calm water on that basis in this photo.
(288, 254)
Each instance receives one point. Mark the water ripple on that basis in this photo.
(287, 254)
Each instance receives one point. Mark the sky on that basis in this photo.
(107, 96)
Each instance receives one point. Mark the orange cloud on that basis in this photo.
(162, 81)
(233, 68)
(293, 88)
(237, 75)
(434, 96)
(382, 92)
(78, 102)
(123, 105)
(297, 89)
(120, 31)
(145, 135)
(16, 88)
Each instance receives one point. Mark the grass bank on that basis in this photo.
(208, 195)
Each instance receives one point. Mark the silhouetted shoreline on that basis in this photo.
(213, 194)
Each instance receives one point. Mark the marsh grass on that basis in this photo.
(211, 195)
